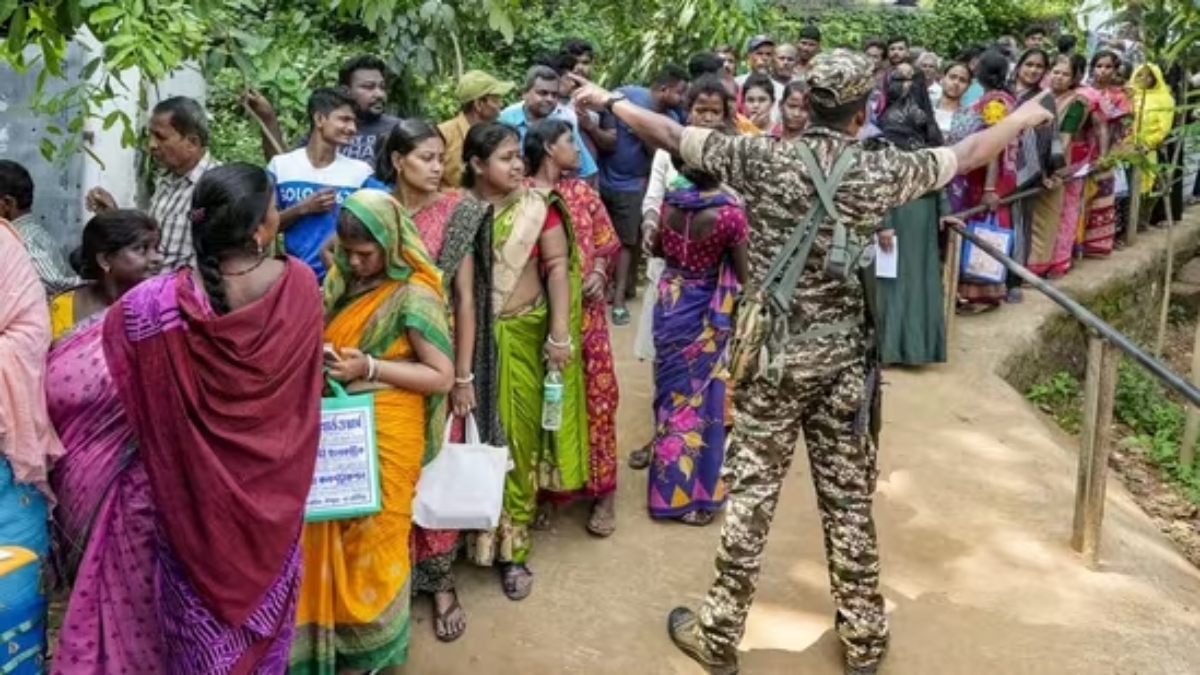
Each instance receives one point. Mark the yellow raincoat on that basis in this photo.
(1154, 114)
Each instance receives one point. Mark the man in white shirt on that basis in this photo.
(178, 142)
(312, 182)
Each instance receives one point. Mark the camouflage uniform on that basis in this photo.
(824, 391)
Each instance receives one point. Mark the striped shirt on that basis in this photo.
(48, 260)
(171, 206)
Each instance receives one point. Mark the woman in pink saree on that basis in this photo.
(104, 515)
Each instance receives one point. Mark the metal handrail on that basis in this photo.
(1181, 386)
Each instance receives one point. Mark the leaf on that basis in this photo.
(15, 40)
(107, 14)
(89, 69)
(112, 118)
(47, 149)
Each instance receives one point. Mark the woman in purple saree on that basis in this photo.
(104, 515)
(190, 414)
(702, 238)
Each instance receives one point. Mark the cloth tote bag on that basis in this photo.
(977, 266)
(463, 487)
(346, 481)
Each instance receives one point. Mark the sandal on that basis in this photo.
(620, 316)
(640, 459)
(517, 581)
(543, 520)
(697, 518)
(604, 518)
(450, 624)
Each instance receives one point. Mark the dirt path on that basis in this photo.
(974, 512)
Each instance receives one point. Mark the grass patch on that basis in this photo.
(1148, 417)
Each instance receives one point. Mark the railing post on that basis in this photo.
(1135, 206)
(950, 281)
(1099, 397)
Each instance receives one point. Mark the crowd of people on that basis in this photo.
(160, 393)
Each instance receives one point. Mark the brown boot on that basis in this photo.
(684, 627)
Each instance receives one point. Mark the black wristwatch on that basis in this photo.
(613, 99)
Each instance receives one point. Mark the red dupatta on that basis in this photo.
(226, 411)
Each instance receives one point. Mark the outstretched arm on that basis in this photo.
(978, 149)
(657, 130)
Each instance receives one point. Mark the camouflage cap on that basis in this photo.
(840, 76)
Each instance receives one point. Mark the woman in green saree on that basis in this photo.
(537, 304)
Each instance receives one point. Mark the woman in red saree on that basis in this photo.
(411, 167)
(218, 369)
(1111, 114)
(550, 156)
(989, 184)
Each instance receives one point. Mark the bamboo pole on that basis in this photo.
(1169, 183)
(1092, 480)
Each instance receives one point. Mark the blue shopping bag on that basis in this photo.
(977, 266)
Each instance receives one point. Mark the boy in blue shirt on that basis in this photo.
(312, 182)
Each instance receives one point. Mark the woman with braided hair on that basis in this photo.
(213, 374)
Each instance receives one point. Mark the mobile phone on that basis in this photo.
(331, 355)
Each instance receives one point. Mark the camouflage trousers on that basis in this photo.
(827, 406)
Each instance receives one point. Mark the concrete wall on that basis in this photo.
(61, 187)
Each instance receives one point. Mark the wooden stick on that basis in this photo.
(1093, 518)
(1135, 206)
(1191, 430)
(1087, 438)
(266, 131)
(950, 281)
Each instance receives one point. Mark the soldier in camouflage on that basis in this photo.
(825, 390)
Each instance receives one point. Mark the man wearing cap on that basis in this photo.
(760, 56)
(826, 386)
(480, 99)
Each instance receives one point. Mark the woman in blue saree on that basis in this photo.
(703, 241)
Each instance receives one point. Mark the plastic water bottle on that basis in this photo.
(552, 400)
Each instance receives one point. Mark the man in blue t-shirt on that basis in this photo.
(312, 182)
(541, 102)
(623, 173)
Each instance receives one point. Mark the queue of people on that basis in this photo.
(165, 396)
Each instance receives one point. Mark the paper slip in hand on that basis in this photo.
(887, 263)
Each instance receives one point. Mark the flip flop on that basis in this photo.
(697, 518)
(442, 619)
(620, 316)
(517, 581)
(640, 459)
(603, 521)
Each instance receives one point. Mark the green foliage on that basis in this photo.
(1157, 423)
(159, 36)
(954, 24)
(1059, 396)
(1142, 404)
(665, 31)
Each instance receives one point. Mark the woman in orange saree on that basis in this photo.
(386, 319)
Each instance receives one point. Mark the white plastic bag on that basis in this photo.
(1120, 182)
(643, 341)
(463, 487)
